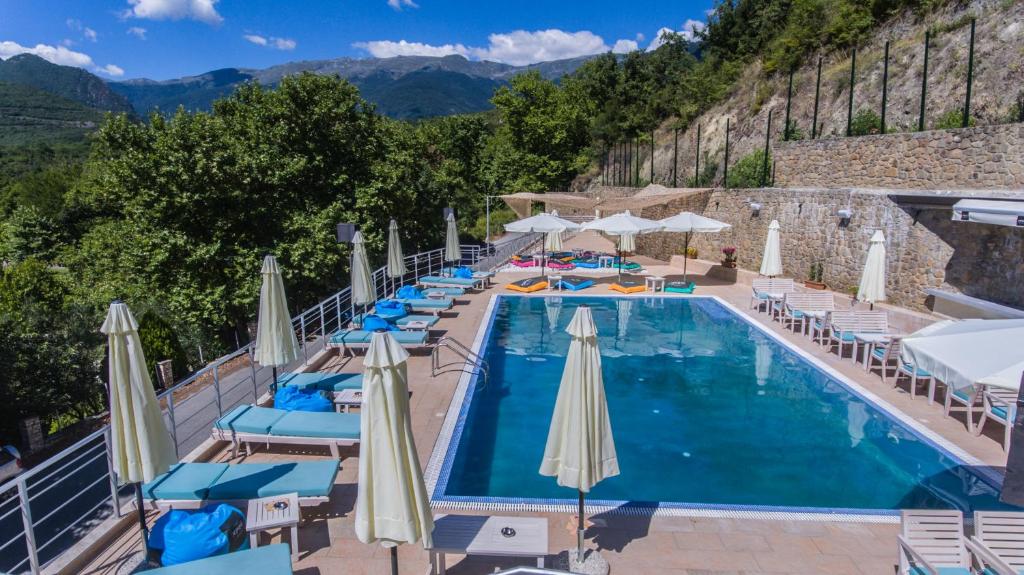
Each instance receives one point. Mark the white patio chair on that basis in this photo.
(932, 542)
(916, 376)
(968, 397)
(1000, 537)
(999, 404)
(887, 358)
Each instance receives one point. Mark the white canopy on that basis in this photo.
(771, 260)
(276, 343)
(968, 352)
(363, 290)
(623, 223)
(686, 222)
(997, 212)
(872, 281)
(541, 223)
(396, 260)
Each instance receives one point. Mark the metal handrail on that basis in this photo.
(469, 357)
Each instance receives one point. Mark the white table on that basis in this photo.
(278, 512)
(346, 399)
(555, 282)
(482, 535)
(654, 283)
(605, 261)
(810, 315)
(436, 295)
(869, 341)
(538, 260)
(413, 326)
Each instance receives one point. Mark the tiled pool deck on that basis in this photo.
(631, 544)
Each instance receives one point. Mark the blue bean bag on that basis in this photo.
(375, 322)
(292, 398)
(463, 272)
(187, 535)
(407, 292)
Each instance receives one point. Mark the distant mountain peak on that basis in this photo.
(67, 82)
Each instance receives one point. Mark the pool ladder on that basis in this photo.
(470, 359)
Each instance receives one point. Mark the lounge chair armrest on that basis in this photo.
(914, 557)
(994, 399)
(987, 558)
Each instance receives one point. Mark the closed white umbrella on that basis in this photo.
(580, 449)
(627, 243)
(969, 352)
(623, 223)
(392, 505)
(452, 249)
(688, 223)
(140, 446)
(363, 290)
(553, 242)
(276, 344)
(396, 259)
(771, 260)
(872, 281)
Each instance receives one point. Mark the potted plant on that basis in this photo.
(814, 277)
(691, 253)
(729, 261)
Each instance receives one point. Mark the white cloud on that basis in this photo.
(67, 42)
(76, 25)
(90, 33)
(390, 49)
(624, 46)
(201, 10)
(271, 42)
(688, 32)
(139, 33)
(58, 55)
(399, 4)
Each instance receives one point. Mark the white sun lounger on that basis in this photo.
(250, 424)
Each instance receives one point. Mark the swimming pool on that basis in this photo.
(709, 411)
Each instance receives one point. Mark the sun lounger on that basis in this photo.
(528, 285)
(587, 263)
(193, 485)
(250, 424)
(932, 542)
(999, 536)
(440, 281)
(321, 381)
(574, 283)
(429, 305)
(353, 339)
(560, 265)
(628, 286)
(267, 560)
(430, 320)
(447, 291)
(679, 287)
(999, 405)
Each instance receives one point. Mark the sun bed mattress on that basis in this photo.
(461, 282)
(627, 286)
(427, 303)
(255, 480)
(679, 287)
(322, 381)
(249, 419)
(267, 560)
(528, 285)
(358, 336)
(185, 481)
(576, 283)
(448, 291)
(317, 424)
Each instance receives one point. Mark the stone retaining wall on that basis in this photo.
(926, 248)
(989, 157)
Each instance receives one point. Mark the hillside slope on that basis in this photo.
(63, 81)
(30, 116)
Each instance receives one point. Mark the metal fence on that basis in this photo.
(46, 510)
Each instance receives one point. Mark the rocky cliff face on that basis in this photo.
(998, 84)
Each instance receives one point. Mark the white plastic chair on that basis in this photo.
(1000, 405)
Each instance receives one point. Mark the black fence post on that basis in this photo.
(849, 108)
(773, 173)
(696, 164)
(652, 156)
(789, 102)
(885, 83)
(767, 142)
(970, 78)
(1020, 107)
(817, 92)
(636, 161)
(924, 80)
(725, 175)
(675, 157)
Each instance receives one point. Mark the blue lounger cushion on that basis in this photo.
(255, 480)
(249, 419)
(427, 303)
(317, 424)
(268, 560)
(430, 320)
(185, 481)
(460, 281)
(358, 336)
(322, 381)
(679, 287)
(448, 291)
(918, 570)
(576, 283)
(910, 369)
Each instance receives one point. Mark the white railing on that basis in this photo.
(45, 510)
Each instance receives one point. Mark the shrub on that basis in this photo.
(953, 119)
(160, 342)
(499, 218)
(691, 253)
(747, 173)
(795, 133)
(865, 122)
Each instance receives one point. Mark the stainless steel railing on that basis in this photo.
(45, 510)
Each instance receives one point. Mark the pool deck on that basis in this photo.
(672, 545)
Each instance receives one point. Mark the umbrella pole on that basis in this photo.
(618, 252)
(273, 382)
(686, 255)
(394, 560)
(142, 521)
(580, 529)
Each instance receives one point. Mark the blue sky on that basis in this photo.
(163, 39)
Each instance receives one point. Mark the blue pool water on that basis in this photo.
(706, 409)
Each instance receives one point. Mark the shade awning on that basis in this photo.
(968, 352)
(996, 212)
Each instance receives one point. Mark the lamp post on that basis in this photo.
(346, 231)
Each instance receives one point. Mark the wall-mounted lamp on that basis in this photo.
(755, 209)
(844, 216)
(448, 211)
(346, 232)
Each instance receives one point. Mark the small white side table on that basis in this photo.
(654, 283)
(492, 536)
(554, 282)
(538, 260)
(413, 326)
(277, 512)
(606, 261)
(435, 295)
(346, 399)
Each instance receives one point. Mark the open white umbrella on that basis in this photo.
(580, 449)
(364, 292)
(140, 446)
(452, 248)
(688, 223)
(276, 344)
(621, 224)
(872, 281)
(392, 505)
(543, 223)
(553, 242)
(771, 260)
(974, 351)
(396, 260)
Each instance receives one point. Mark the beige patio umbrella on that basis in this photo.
(396, 260)
(276, 344)
(627, 243)
(553, 242)
(872, 281)
(140, 446)
(392, 505)
(452, 249)
(364, 292)
(771, 260)
(580, 450)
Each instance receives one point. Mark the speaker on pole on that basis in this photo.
(346, 232)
